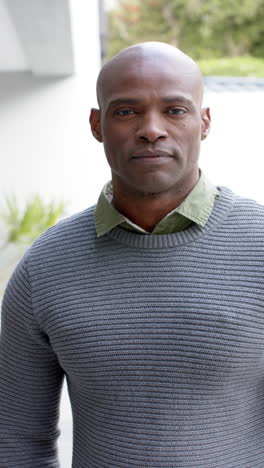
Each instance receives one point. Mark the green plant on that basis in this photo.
(204, 29)
(233, 66)
(23, 227)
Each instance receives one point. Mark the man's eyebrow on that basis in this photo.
(177, 98)
(123, 101)
(166, 99)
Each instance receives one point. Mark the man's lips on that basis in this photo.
(151, 154)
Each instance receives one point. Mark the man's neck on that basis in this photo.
(147, 210)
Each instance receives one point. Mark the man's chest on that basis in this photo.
(187, 320)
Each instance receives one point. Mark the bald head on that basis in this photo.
(154, 54)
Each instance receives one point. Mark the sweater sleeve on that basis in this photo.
(30, 383)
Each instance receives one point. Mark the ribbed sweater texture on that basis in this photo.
(161, 339)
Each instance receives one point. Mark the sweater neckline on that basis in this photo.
(132, 239)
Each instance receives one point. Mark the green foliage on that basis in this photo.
(233, 66)
(23, 228)
(204, 29)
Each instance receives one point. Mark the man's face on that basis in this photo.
(151, 124)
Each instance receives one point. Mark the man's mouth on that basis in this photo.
(151, 155)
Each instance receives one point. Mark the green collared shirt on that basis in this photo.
(195, 208)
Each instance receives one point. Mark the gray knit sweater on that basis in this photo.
(161, 339)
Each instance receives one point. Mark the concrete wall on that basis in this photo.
(45, 141)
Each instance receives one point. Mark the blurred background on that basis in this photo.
(50, 54)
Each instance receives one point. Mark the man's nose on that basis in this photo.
(151, 128)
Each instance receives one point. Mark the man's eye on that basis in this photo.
(176, 111)
(124, 112)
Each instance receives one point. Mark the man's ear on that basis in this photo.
(95, 122)
(206, 122)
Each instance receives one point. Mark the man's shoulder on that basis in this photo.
(239, 201)
(249, 207)
(240, 212)
(76, 223)
(66, 234)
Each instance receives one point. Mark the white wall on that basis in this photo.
(233, 153)
(45, 140)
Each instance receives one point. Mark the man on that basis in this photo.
(151, 304)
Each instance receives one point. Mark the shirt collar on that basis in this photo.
(196, 207)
